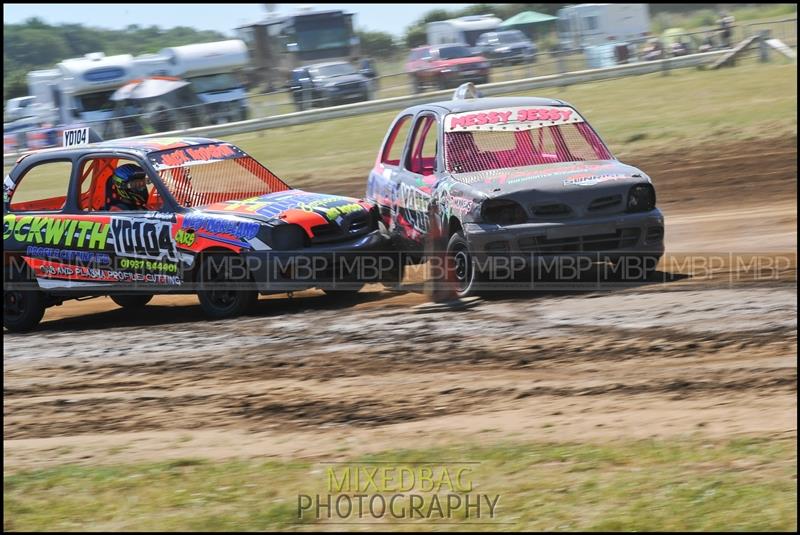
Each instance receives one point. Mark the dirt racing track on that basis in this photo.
(699, 351)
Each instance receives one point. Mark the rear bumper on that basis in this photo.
(337, 265)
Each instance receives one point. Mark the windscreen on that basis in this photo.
(321, 33)
(519, 137)
(100, 101)
(206, 174)
(508, 38)
(338, 69)
(454, 52)
(215, 82)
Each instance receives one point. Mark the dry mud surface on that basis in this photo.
(692, 352)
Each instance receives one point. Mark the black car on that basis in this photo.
(509, 46)
(328, 84)
(215, 223)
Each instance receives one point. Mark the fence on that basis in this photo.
(394, 91)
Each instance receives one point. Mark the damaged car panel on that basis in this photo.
(512, 176)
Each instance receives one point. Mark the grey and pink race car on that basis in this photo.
(519, 178)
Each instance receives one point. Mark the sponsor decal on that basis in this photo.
(414, 207)
(56, 270)
(149, 265)
(276, 204)
(68, 255)
(143, 238)
(218, 225)
(56, 231)
(526, 174)
(337, 211)
(591, 180)
(199, 153)
(517, 116)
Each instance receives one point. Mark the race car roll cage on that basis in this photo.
(103, 163)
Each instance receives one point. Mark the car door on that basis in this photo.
(426, 70)
(416, 177)
(384, 179)
(141, 244)
(62, 248)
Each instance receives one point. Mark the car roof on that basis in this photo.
(480, 104)
(155, 144)
(141, 146)
(326, 64)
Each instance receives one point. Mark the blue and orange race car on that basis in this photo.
(212, 221)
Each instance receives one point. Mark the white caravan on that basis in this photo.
(461, 30)
(212, 68)
(587, 25)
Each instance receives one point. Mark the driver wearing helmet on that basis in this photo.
(127, 189)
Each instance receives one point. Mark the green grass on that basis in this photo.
(645, 113)
(707, 18)
(743, 484)
(649, 112)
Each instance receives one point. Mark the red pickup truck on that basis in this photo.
(444, 66)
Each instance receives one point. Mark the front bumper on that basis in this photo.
(596, 239)
(336, 265)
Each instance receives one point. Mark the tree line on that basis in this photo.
(34, 44)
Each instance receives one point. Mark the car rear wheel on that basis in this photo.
(132, 300)
(461, 270)
(23, 308)
(221, 294)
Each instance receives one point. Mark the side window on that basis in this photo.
(97, 192)
(393, 150)
(424, 146)
(43, 187)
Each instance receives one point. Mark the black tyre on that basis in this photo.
(442, 83)
(461, 268)
(221, 294)
(392, 278)
(416, 85)
(23, 308)
(132, 300)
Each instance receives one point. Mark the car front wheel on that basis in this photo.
(461, 272)
(221, 294)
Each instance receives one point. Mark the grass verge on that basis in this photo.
(636, 114)
(741, 484)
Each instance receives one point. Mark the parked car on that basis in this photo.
(328, 84)
(444, 66)
(18, 108)
(212, 221)
(518, 178)
(510, 46)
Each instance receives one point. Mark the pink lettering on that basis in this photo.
(457, 121)
(504, 115)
